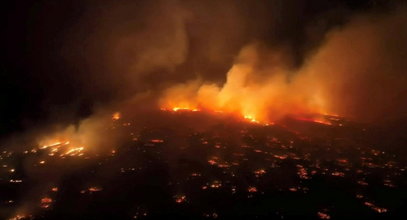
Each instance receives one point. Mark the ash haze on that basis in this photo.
(338, 57)
(228, 95)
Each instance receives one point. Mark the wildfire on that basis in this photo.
(318, 120)
(54, 144)
(64, 147)
(251, 118)
(256, 95)
(176, 109)
(21, 217)
(74, 151)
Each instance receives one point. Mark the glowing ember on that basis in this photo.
(336, 173)
(95, 189)
(379, 210)
(61, 146)
(363, 183)
(322, 215)
(259, 172)
(74, 151)
(157, 141)
(21, 217)
(252, 189)
(302, 172)
(180, 198)
(212, 162)
(375, 208)
(251, 118)
(45, 202)
(281, 157)
(55, 144)
(216, 184)
(293, 189)
(116, 116)
(196, 174)
(342, 161)
(319, 120)
(175, 109)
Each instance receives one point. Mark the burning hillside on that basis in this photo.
(123, 109)
(260, 95)
(223, 167)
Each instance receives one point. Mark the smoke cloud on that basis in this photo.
(263, 60)
(360, 70)
(357, 72)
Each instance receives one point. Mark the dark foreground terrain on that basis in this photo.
(228, 169)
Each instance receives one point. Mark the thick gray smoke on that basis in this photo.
(269, 58)
(343, 58)
(360, 69)
(355, 60)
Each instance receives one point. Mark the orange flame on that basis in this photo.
(257, 95)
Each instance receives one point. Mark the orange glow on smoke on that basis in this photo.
(116, 116)
(256, 95)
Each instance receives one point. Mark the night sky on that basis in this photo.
(53, 59)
